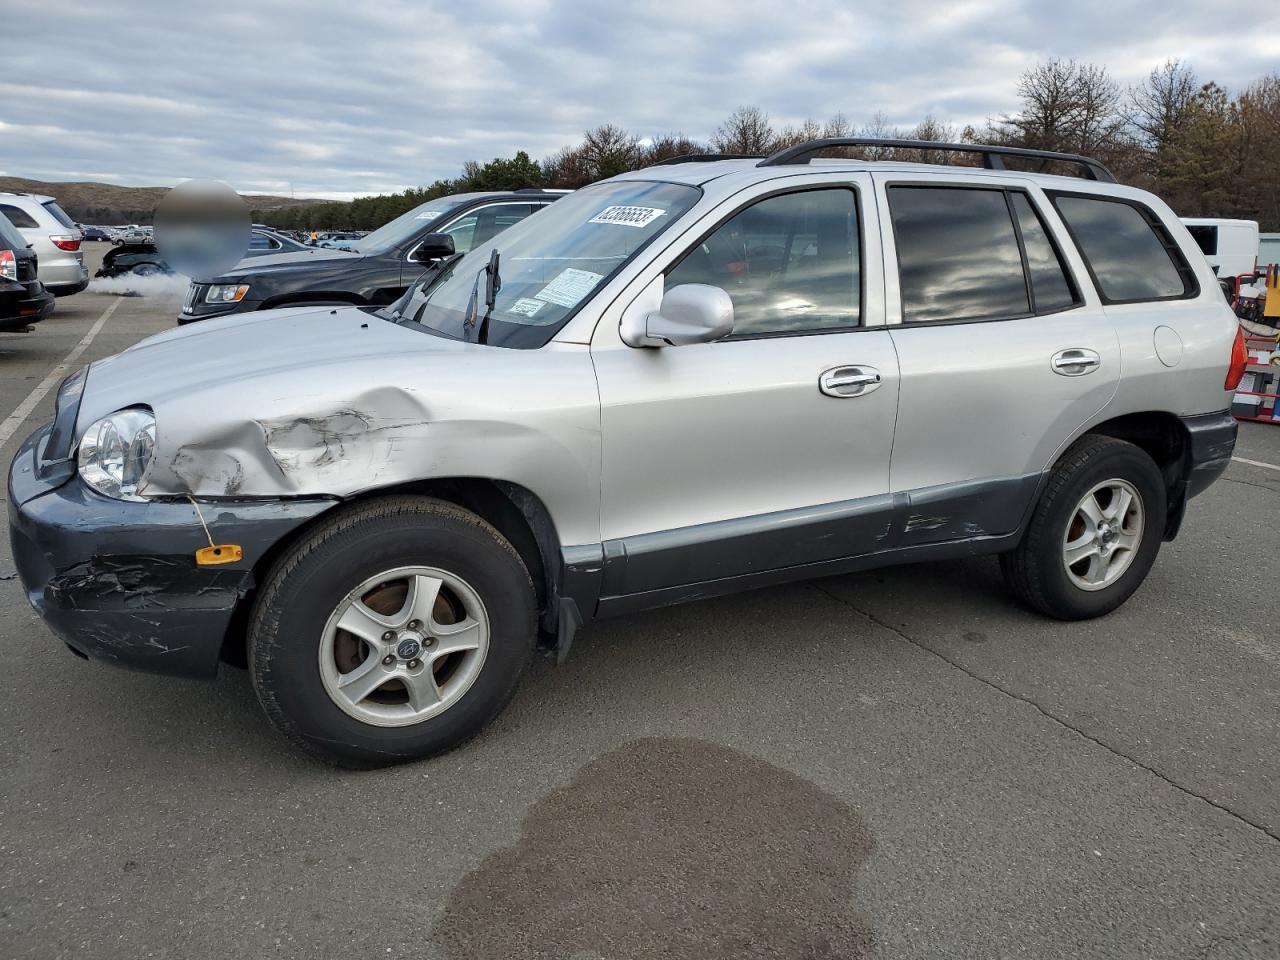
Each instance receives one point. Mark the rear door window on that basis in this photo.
(958, 254)
(10, 238)
(17, 216)
(1051, 288)
(1130, 254)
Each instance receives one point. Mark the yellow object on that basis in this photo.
(1271, 305)
(215, 554)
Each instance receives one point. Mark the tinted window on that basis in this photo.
(789, 263)
(1050, 287)
(260, 241)
(58, 213)
(1130, 255)
(1206, 239)
(17, 216)
(958, 256)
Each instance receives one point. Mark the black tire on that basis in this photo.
(363, 541)
(1035, 570)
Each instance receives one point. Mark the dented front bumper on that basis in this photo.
(118, 580)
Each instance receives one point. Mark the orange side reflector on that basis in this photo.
(222, 553)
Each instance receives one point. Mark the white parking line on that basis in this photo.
(1257, 463)
(19, 416)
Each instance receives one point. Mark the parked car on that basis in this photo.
(264, 241)
(23, 298)
(342, 241)
(377, 271)
(681, 382)
(134, 259)
(134, 236)
(96, 234)
(53, 235)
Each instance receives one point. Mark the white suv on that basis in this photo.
(53, 235)
(684, 381)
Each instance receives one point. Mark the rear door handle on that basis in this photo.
(851, 381)
(1075, 362)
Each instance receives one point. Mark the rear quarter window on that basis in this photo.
(1130, 255)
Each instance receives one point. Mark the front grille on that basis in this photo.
(194, 292)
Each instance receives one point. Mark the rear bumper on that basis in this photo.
(63, 275)
(1212, 438)
(22, 304)
(117, 581)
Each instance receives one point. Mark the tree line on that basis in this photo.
(1203, 149)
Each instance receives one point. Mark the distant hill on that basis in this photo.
(107, 204)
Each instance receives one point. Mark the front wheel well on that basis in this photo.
(514, 511)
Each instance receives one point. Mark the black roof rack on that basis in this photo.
(706, 158)
(991, 155)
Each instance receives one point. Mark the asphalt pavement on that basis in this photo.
(895, 764)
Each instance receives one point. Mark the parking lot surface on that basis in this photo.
(903, 763)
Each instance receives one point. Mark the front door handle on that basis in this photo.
(1075, 362)
(852, 381)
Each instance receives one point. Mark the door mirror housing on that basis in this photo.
(434, 246)
(689, 313)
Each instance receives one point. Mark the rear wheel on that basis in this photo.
(396, 630)
(1094, 534)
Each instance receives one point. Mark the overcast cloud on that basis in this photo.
(340, 97)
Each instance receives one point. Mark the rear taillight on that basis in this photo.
(66, 243)
(1239, 360)
(8, 265)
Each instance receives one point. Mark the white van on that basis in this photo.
(1230, 246)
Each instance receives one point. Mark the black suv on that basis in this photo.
(23, 298)
(377, 268)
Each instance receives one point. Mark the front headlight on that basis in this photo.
(116, 453)
(226, 293)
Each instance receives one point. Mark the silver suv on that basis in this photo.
(53, 235)
(685, 381)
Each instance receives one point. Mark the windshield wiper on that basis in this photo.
(438, 272)
(492, 284)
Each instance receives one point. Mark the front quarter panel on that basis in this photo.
(352, 426)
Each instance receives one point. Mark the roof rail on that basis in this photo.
(705, 158)
(991, 155)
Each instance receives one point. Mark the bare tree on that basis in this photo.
(669, 145)
(1066, 106)
(746, 130)
(1159, 105)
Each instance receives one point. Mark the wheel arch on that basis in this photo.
(513, 510)
(1163, 437)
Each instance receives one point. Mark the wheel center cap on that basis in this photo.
(408, 648)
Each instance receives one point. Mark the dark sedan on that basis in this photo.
(378, 268)
(23, 298)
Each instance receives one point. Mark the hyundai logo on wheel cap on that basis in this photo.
(408, 648)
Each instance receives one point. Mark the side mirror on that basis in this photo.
(434, 246)
(689, 313)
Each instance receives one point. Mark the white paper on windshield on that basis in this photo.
(526, 307)
(628, 216)
(569, 287)
(427, 215)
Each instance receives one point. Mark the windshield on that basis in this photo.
(548, 265)
(404, 227)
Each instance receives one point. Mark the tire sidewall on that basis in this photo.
(1120, 463)
(286, 659)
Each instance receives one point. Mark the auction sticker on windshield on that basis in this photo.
(427, 215)
(628, 216)
(526, 307)
(569, 287)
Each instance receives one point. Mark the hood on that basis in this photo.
(281, 262)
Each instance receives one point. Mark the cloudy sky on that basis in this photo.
(344, 97)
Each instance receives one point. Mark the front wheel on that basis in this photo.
(396, 630)
(1094, 533)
